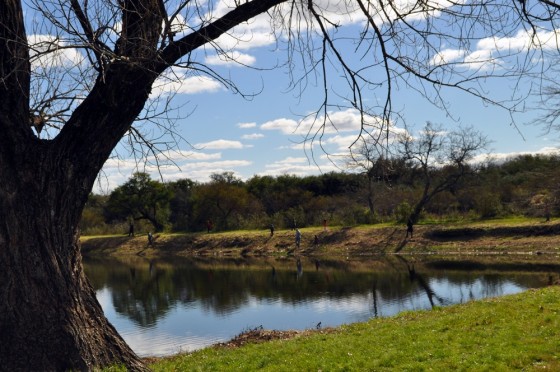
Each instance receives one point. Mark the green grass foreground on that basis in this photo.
(516, 332)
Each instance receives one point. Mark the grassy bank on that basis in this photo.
(518, 332)
(494, 236)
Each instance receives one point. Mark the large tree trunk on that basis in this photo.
(50, 318)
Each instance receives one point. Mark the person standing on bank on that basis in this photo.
(409, 227)
(298, 238)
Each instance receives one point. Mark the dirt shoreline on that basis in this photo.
(524, 238)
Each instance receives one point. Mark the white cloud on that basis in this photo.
(504, 156)
(523, 40)
(167, 157)
(295, 146)
(337, 121)
(332, 137)
(255, 33)
(297, 168)
(177, 82)
(191, 155)
(227, 164)
(342, 142)
(246, 125)
(197, 84)
(447, 56)
(292, 160)
(252, 136)
(47, 51)
(490, 51)
(220, 144)
(482, 60)
(184, 156)
(343, 121)
(286, 126)
(547, 39)
(231, 59)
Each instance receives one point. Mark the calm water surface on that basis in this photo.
(163, 307)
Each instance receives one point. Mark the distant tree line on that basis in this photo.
(527, 185)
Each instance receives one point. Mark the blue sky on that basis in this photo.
(258, 136)
(225, 131)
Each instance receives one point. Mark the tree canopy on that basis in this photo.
(140, 198)
(521, 186)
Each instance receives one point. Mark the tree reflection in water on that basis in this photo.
(423, 283)
(336, 291)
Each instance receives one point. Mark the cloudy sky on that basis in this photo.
(265, 127)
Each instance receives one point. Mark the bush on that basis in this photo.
(402, 212)
(487, 205)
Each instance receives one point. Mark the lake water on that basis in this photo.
(162, 307)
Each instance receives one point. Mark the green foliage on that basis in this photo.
(519, 332)
(402, 212)
(92, 216)
(528, 185)
(181, 204)
(140, 198)
(487, 205)
(224, 201)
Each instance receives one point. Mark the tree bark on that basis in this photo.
(49, 316)
(50, 319)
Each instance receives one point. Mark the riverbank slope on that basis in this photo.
(486, 237)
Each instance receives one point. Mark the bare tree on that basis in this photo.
(375, 158)
(69, 96)
(440, 158)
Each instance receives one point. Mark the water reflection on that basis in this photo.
(162, 307)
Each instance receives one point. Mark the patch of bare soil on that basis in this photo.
(258, 335)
